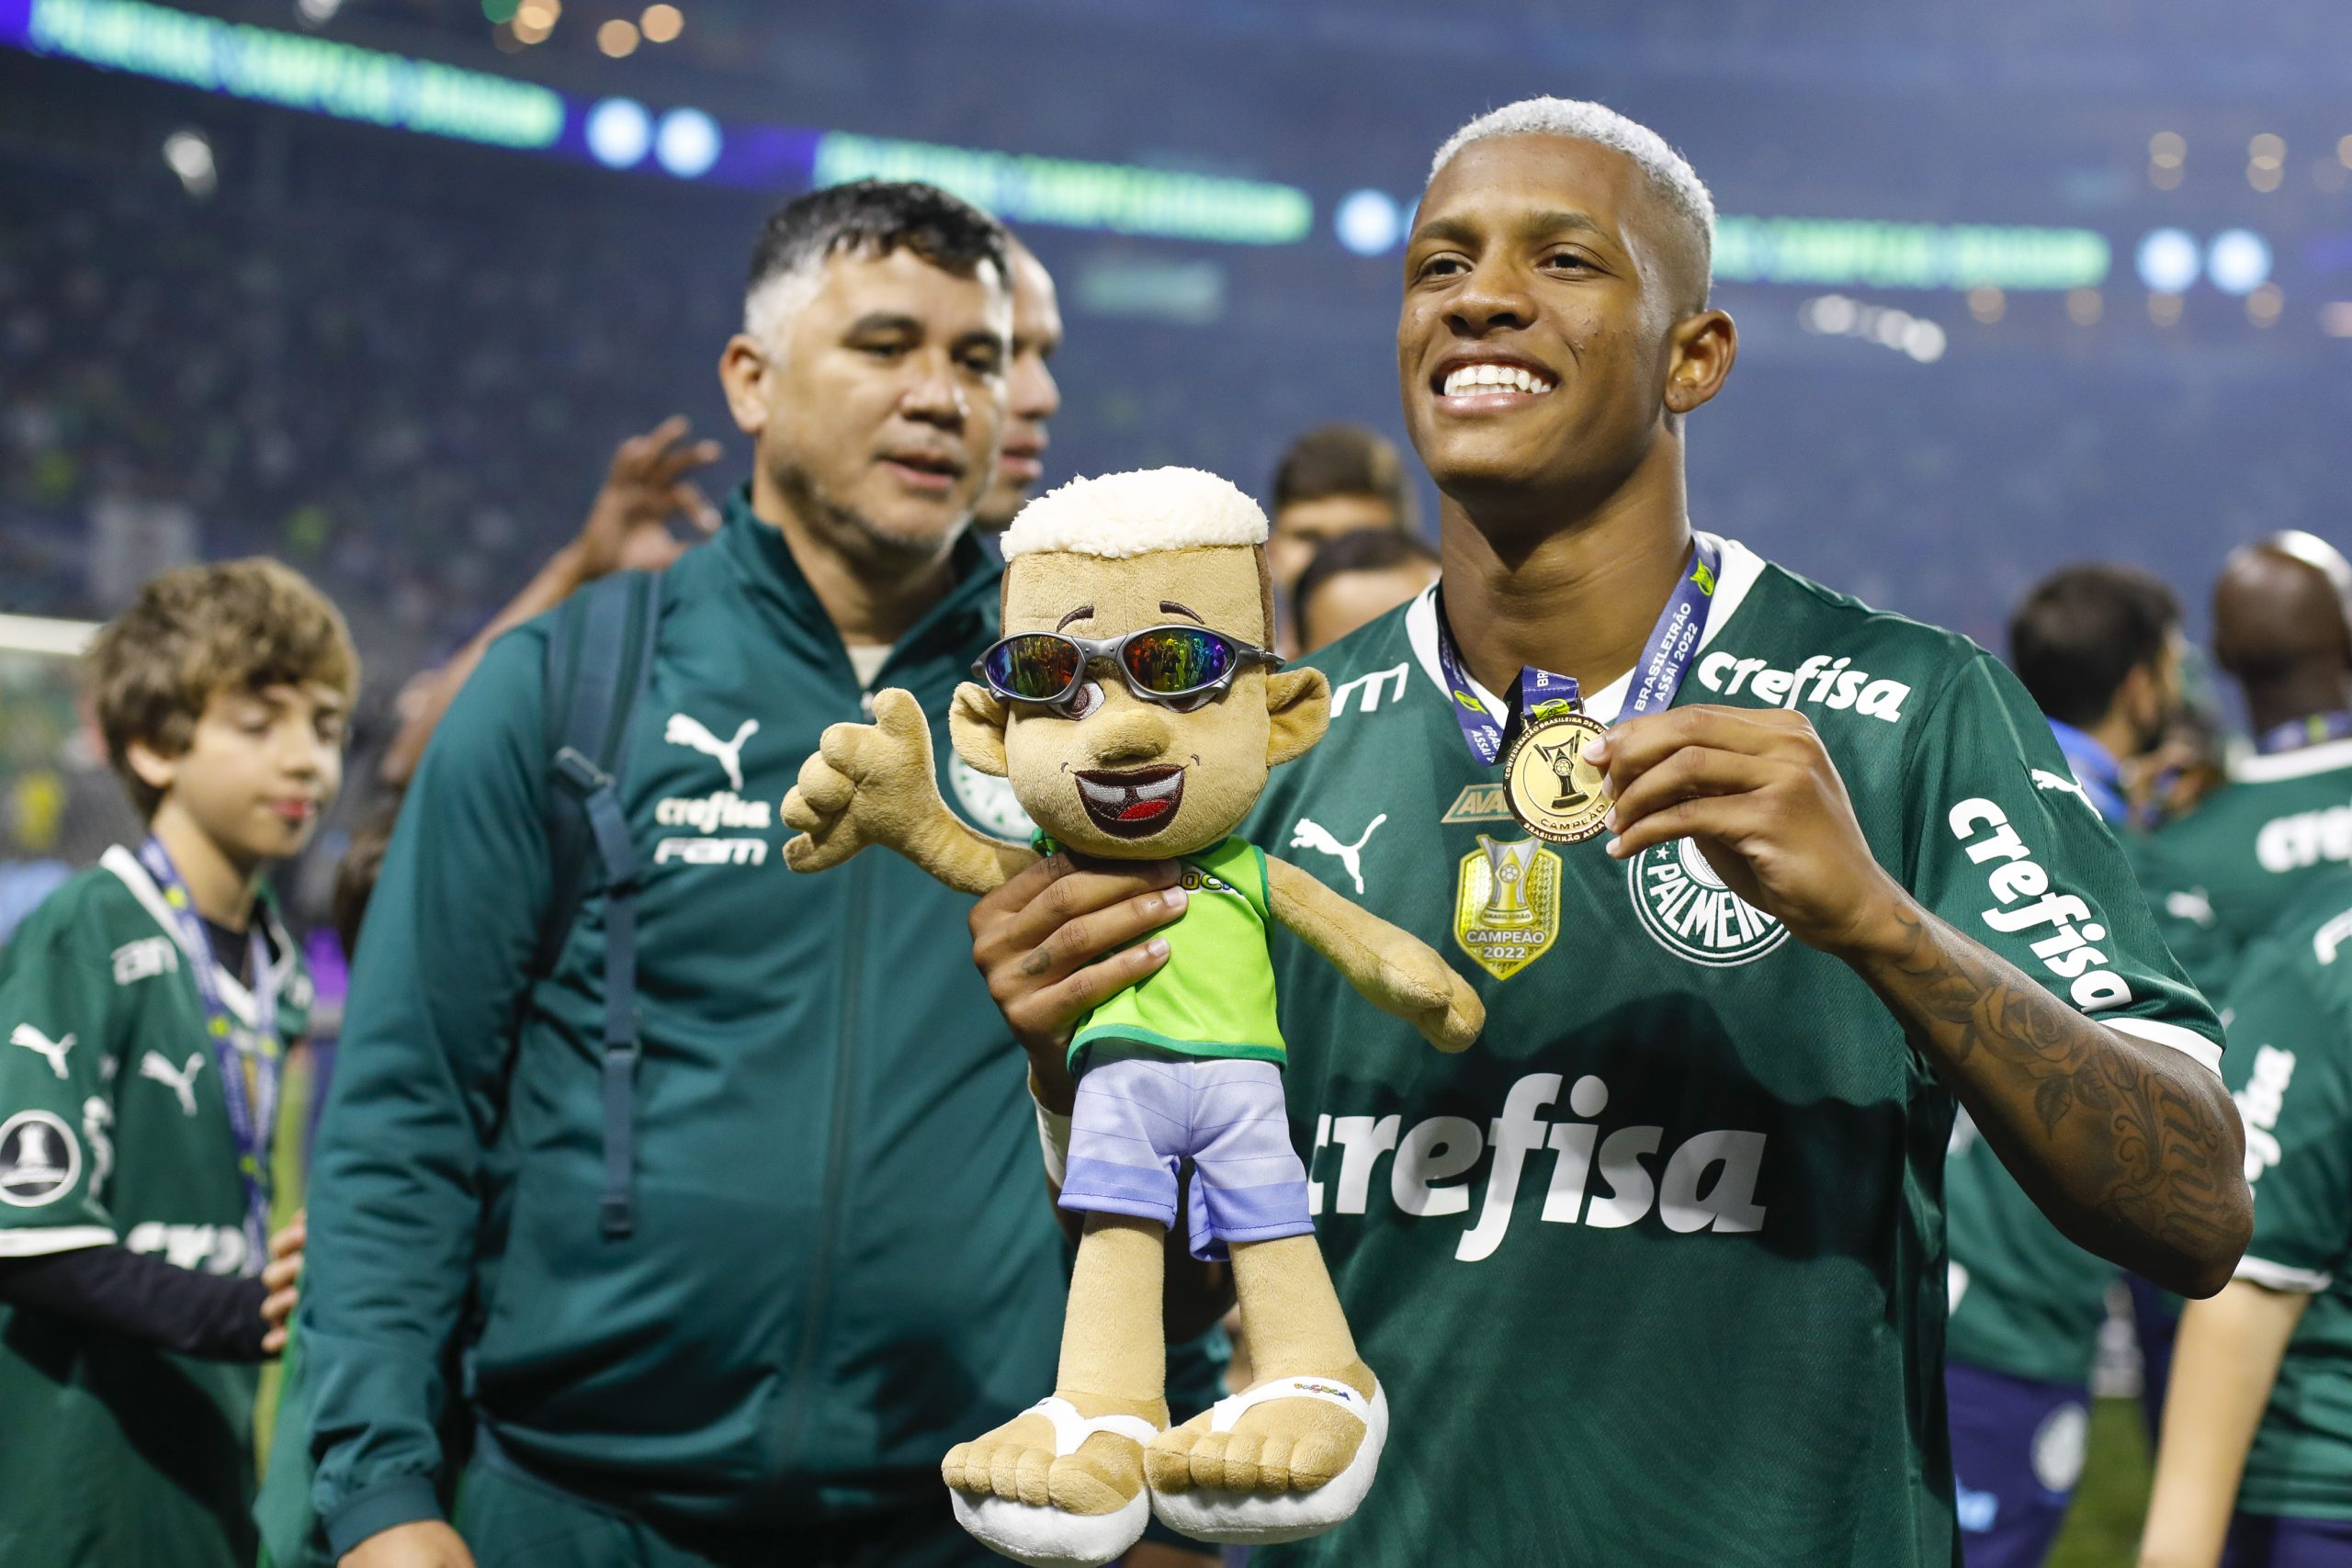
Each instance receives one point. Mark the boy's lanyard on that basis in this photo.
(248, 1075)
(1656, 679)
(2298, 733)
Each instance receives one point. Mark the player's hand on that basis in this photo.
(1756, 790)
(280, 1275)
(628, 522)
(424, 1543)
(867, 783)
(1039, 942)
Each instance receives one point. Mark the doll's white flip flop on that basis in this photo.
(1229, 1517)
(1046, 1536)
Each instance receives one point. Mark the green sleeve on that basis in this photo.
(2001, 845)
(57, 1008)
(2291, 1071)
(395, 1183)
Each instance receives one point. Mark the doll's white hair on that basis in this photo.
(1670, 174)
(1117, 515)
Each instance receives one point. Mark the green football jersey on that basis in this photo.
(1214, 996)
(2221, 875)
(2291, 1072)
(113, 1130)
(1655, 1272)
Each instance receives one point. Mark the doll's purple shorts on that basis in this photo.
(1139, 1118)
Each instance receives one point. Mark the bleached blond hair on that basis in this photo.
(1670, 174)
(1135, 514)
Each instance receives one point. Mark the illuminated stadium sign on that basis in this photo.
(1116, 197)
(294, 71)
(1849, 252)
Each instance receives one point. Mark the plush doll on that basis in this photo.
(1134, 710)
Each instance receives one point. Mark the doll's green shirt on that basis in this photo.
(1214, 996)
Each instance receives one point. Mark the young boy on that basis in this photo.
(144, 1010)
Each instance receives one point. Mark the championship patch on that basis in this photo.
(39, 1159)
(1689, 910)
(987, 801)
(1507, 905)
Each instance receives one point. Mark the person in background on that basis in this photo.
(1354, 578)
(629, 528)
(2254, 1465)
(1334, 479)
(2098, 648)
(146, 1010)
(1032, 396)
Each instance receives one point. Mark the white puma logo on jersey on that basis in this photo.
(2044, 779)
(180, 1079)
(32, 1039)
(685, 730)
(1310, 835)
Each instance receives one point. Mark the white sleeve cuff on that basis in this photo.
(1053, 1140)
(2188, 1042)
(2282, 1277)
(42, 1241)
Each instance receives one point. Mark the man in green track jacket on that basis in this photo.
(839, 1258)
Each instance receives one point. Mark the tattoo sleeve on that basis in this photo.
(2130, 1148)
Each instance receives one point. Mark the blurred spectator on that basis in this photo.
(1356, 578)
(1031, 395)
(2098, 649)
(1334, 479)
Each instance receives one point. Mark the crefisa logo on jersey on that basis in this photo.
(1689, 911)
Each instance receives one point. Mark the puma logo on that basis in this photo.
(181, 1080)
(685, 730)
(1310, 835)
(2044, 779)
(32, 1039)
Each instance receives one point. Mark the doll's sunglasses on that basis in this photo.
(1159, 664)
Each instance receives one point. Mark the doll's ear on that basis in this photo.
(1299, 703)
(975, 724)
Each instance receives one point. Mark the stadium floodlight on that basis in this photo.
(2168, 261)
(619, 134)
(687, 144)
(1368, 222)
(2238, 260)
(189, 155)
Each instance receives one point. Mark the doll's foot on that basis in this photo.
(1061, 1485)
(1285, 1459)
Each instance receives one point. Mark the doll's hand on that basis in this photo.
(867, 783)
(1436, 1001)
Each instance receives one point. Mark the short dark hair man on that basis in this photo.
(1032, 396)
(1656, 1260)
(1354, 578)
(840, 1261)
(2097, 646)
(1334, 480)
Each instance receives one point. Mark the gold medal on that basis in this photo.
(1553, 791)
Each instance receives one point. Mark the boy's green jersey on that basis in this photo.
(113, 1131)
(1655, 1272)
(2291, 1072)
(1214, 996)
(2224, 873)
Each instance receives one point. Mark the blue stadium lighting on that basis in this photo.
(1368, 222)
(619, 132)
(2238, 260)
(2168, 261)
(688, 143)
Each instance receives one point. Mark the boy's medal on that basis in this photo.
(1550, 789)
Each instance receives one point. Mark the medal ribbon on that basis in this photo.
(2298, 733)
(1665, 658)
(253, 1107)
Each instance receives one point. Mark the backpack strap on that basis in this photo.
(600, 648)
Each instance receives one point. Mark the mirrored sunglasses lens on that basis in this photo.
(1037, 668)
(1178, 660)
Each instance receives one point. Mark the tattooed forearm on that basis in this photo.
(2130, 1147)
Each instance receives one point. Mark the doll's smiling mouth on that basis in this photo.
(1132, 805)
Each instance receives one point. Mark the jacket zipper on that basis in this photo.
(798, 1394)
